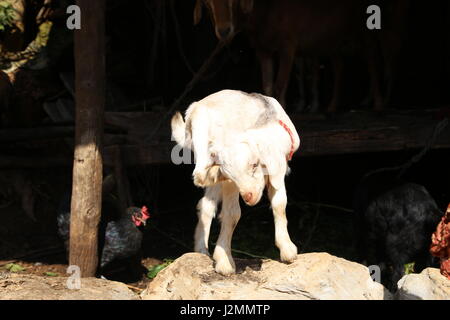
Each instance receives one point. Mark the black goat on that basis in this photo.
(395, 221)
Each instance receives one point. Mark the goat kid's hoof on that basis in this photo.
(289, 254)
(199, 180)
(225, 269)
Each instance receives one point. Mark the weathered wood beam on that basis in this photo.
(20, 135)
(133, 155)
(314, 143)
(90, 82)
(50, 133)
(33, 162)
(351, 135)
(370, 140)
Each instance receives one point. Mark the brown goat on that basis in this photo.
(286, 28)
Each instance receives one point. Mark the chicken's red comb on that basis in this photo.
(145, 213)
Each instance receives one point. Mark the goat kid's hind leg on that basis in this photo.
(229, 217)
(206, 211)
(278, 200)
(200, 142)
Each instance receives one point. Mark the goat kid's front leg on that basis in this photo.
(278, 200)
(206, 211)
(230, 215)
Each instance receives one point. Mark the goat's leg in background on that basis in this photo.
(308, 70)
(391, 39)
(278, 200)
(300, 65)
(206, 211)
(266, 63)
(338, 67)
(374, 64)
(286, 62)
(315, 90)
(229, 217)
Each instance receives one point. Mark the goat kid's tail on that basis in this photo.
(179, 129)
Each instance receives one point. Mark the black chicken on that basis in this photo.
(118, 238)
(394, 223)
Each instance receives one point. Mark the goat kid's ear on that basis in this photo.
(246, 6)
(198, 12)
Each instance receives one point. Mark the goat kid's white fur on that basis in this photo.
(240, 148)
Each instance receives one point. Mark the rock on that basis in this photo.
(428, 285)
(313, 276)
(31, 287)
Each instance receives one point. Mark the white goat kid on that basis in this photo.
(242, 143)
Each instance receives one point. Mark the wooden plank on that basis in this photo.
(90, 83)
(134, 155)
(54, 133)
(349, 134)
(352, 133)
(19, 135)
(15, 162)
(371, 140)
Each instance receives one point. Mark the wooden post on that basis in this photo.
(88, 164)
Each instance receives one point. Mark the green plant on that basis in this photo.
(14, 268)
(409, 268)
(153, 271)
(7, 15)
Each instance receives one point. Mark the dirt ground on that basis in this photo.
(60, 270)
